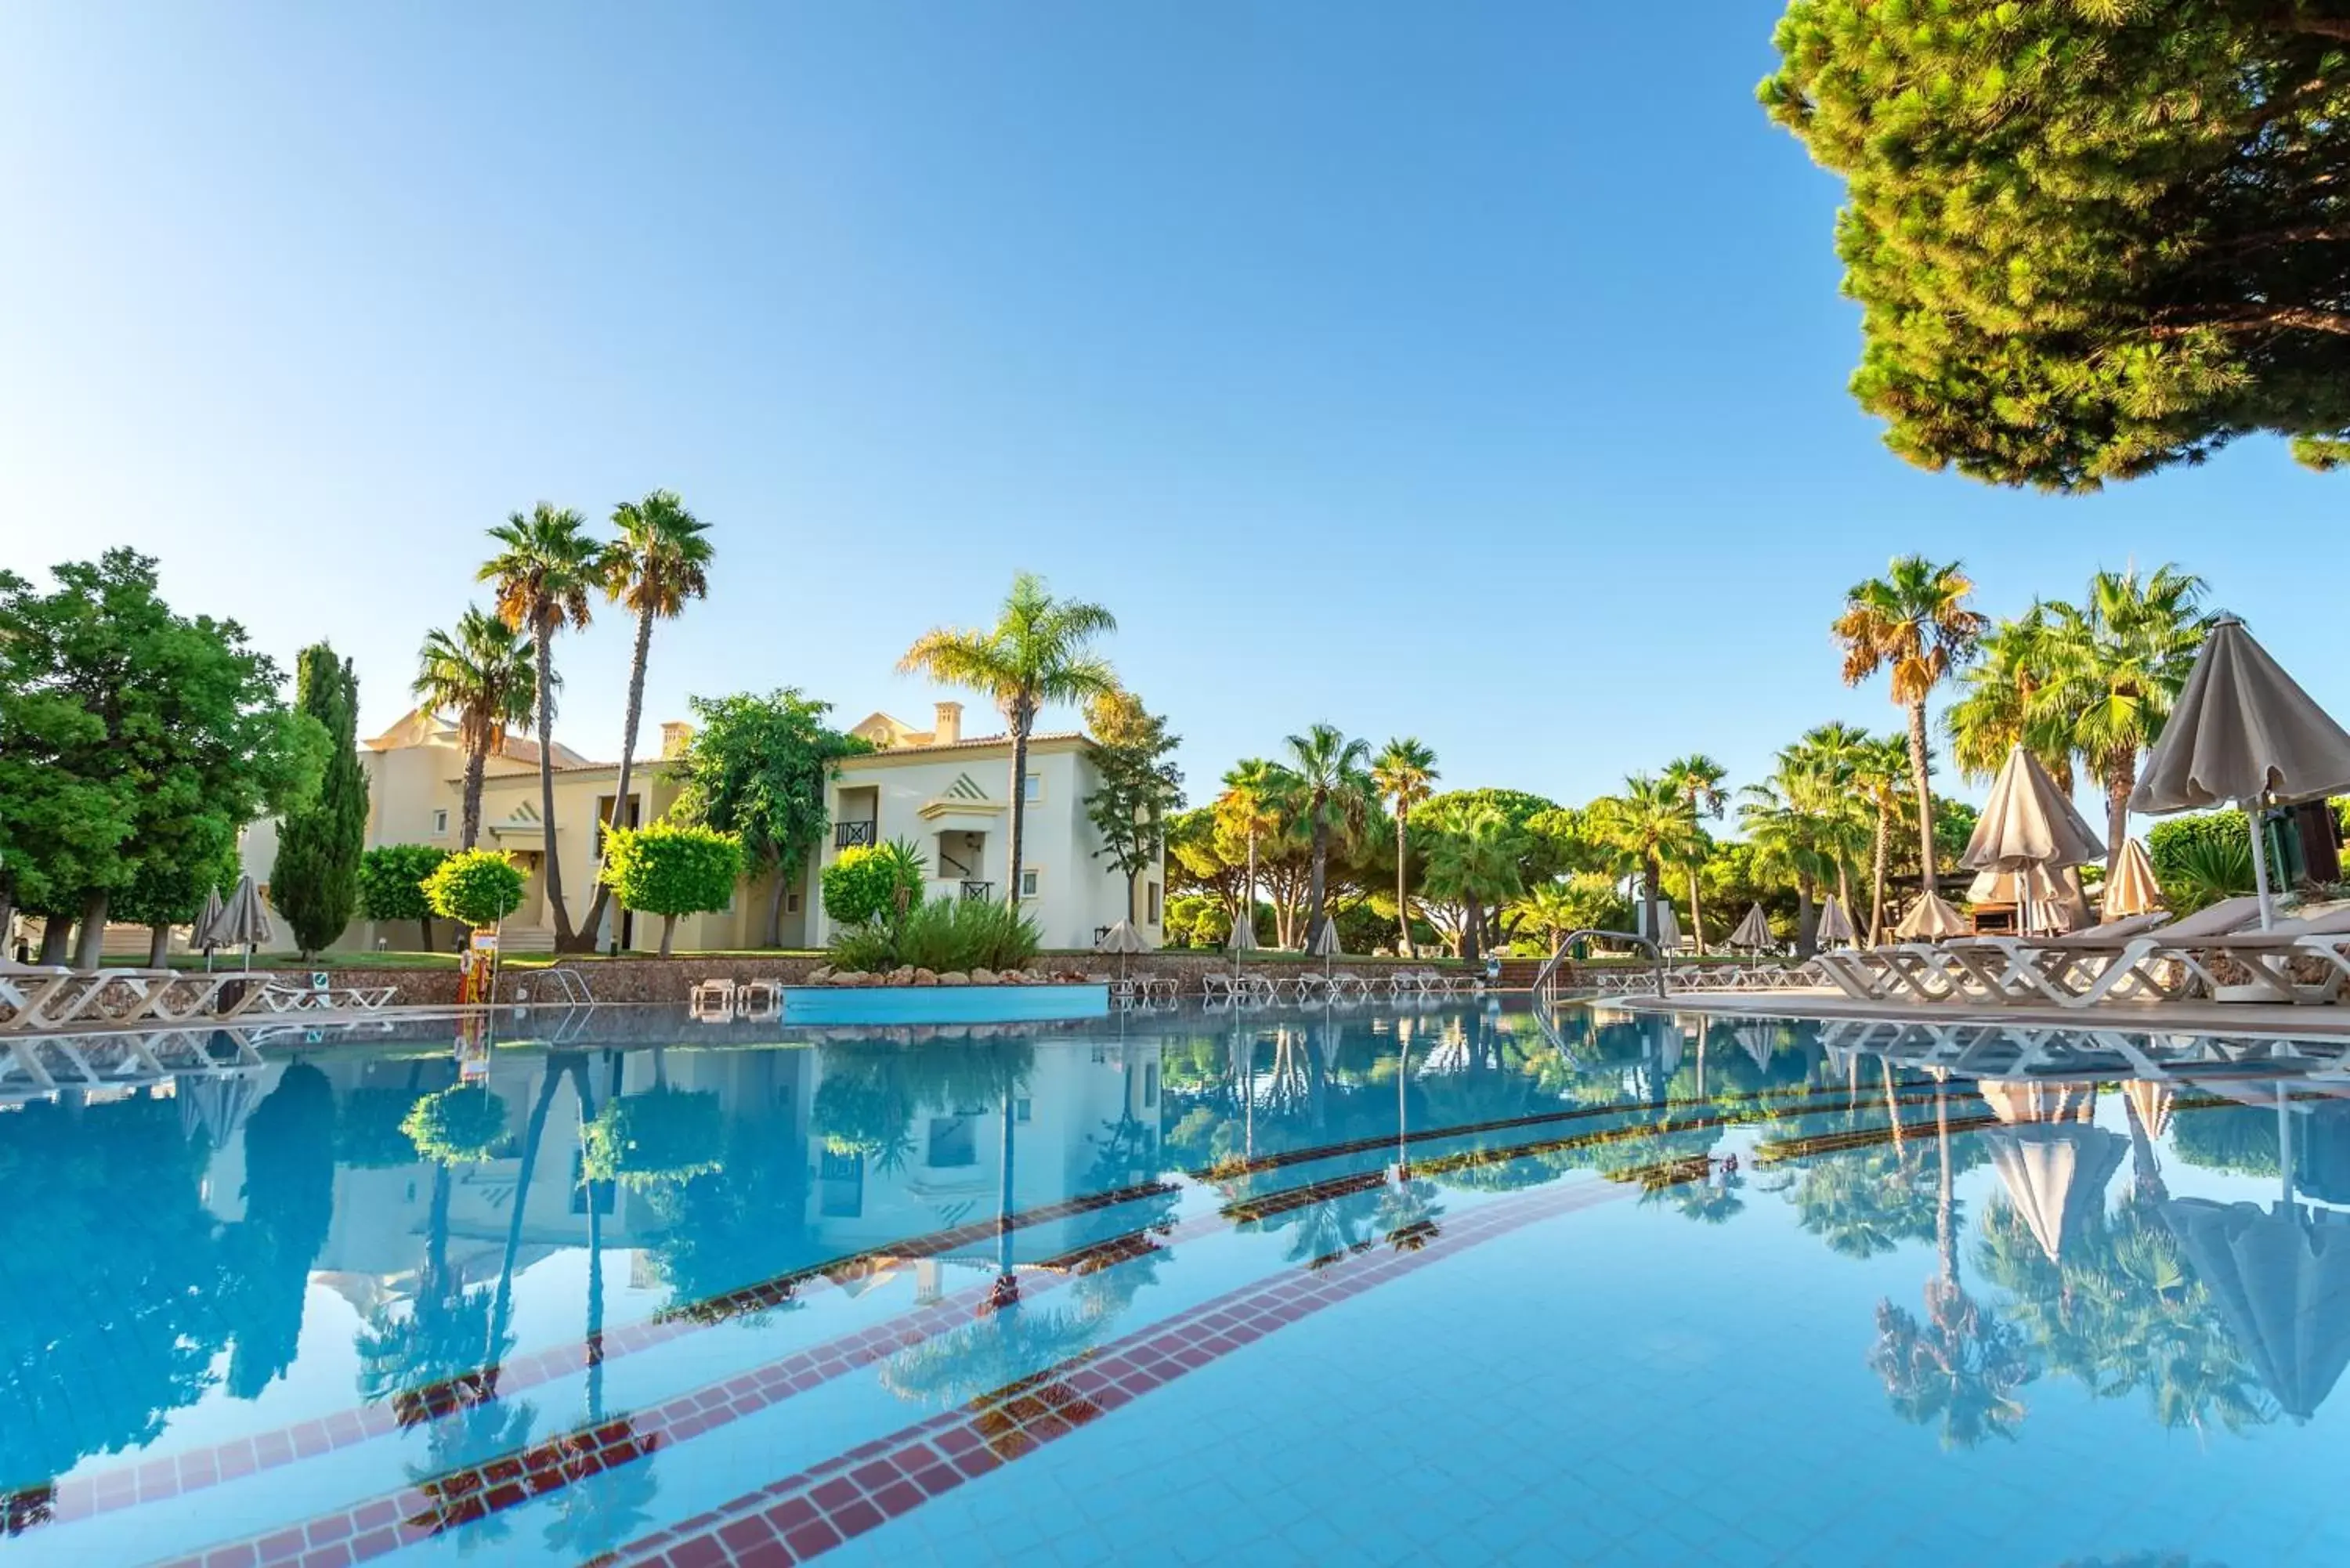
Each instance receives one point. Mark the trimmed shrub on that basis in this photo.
(478, 887)
(875, 882)
(669, 869)
(2203, 858)
(391, 884)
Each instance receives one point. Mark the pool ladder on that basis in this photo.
(1546, 979)
(571, 983)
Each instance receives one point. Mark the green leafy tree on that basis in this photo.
(545, 572)
(391, 884)
(873, 882)
(1133, 756)
(1333, 777)
(1258, 802)
(130, 737)
(757, 768)
(2088, 241)
(1039, 651)
(167, 893)
(315, 881)
(1915, 623)
(477, 887)
(1475, 858)
(671, 869)
(1404, 773)
(658, 562)
(1651, 826)
(486, 675)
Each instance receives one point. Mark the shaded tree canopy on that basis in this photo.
(2089, 240)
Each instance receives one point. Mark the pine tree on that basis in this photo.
(315, 882)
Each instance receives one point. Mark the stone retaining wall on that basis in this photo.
(670, 980)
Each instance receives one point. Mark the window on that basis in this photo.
(1027, 882)
(1035, 791)
(791, 903)
(952, 1144)
(1020, 1109)
(1150, 903)
(440, 824)
(1149, 1085)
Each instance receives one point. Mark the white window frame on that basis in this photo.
(439, 822)
(1030, 874)
(1035, 789)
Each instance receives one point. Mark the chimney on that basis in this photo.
(676, 735)
(948, 728)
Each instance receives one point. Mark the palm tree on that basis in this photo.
(2119, 661)
(1476, 857)
(1255, 804)
(1039, 651)
(545, 572)
(1648, 824)
(1784, 822)
(1698, 779)
(1913, 621)
(1876, 774)
(485, 674)
(2002, 705)
(1405, 775)
(1338, 795)
(1550, 908)
(658, 562)
(1831, 757)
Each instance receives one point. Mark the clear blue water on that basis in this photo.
(1457, 1284)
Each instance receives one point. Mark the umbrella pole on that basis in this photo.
(2253, 811)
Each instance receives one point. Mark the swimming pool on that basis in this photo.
(1450, 1283)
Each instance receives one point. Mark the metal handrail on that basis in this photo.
(1546, 976)
(573, 984)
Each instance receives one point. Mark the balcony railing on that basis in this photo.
(855, 834)
(978, 892)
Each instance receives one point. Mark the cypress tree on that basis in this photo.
(315, 882)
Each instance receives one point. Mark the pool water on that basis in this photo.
(1439, 1284)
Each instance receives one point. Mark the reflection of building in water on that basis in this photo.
(947, 1172)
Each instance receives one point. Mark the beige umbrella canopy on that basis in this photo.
(1836, 926)
(1123, 940)
(2242, 731)
(1754, 931)
(2132, 890)
(1324, 945)
(2029, 822)
(1930, 920)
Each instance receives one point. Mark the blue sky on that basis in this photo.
(1477, 375)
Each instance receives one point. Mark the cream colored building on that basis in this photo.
(947, 795)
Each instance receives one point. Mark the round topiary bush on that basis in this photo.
(479, 888)
(872, 883)
(463, 1126)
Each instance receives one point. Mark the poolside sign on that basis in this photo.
(477, 969)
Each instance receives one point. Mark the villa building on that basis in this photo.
(944, 794)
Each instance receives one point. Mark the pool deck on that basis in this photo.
(2142, 1017)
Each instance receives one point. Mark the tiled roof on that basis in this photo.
(972, 741)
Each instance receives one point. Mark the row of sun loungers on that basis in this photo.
(1313, 985)
(2143, 957)
(1716, 977)
(44, 998)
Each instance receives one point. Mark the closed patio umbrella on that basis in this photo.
(2028, 823)
(2132, 890)
(1667, 933)
(201, 934)
(1836, 926)
(1754, 931)
(1242, 938)
(2243, 731)
(1123, 940)
(244, 920)
(1324, 945)
(1930, 919)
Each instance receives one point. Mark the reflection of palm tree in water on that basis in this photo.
(1963, 1365)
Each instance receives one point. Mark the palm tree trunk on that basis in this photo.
(1925, 797)
(1944, 1237)
(1808, 920)
(1472, 928)
(2121, 780)
(1022, 718)
(469, 824)
(1697, 915)
(1403, 905)
(1844, 885)
(533, 1133)
(552, 869)
(1321, 867)
(629, 722)
(1248, 894)
(1876, 882)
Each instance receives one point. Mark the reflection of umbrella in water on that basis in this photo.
(1755, 1042)
(2151, 1100)
(2055, 1174)
(1753, 932)
(216, 1103)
